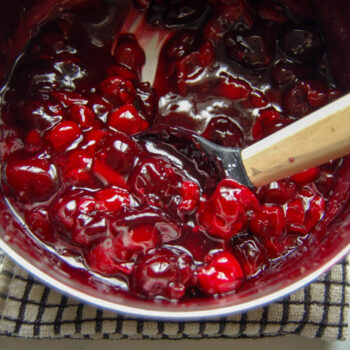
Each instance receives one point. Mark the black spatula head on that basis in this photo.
(226, 160)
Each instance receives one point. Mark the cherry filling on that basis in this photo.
(153, 212)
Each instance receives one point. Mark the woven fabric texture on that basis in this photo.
(28, 309)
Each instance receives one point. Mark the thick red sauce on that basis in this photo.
(156, 215)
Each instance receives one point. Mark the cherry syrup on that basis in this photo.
(155, 214)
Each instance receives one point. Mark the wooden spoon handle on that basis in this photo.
(313, 140)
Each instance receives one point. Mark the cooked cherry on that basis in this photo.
(226, 212)
(75, 216)
(158, 182)
(146, 101)
(268, 221)
(278, 192)
(268, 122)
(227, 15)
(284, 73)
(306, 176)
(34, 141)
(180, 44)
(224, 132)
(130, 242)
(190, 197)
(101, 259)
(123, 91)
(163, 272)
(191, 66)
(63, 135)
(250, 253)
(111, 199)
(175, 13)
(77, 167)
(250, 49)
(128, 53)
(272, 11)
(233, 88)
(31, 178)
(84, 116)
(119, 151)
(39, 223)
(40, 114)
(221, 274)
(295, 101)
(107, 175)
(303, 43)
(68, 98)
(128, 120)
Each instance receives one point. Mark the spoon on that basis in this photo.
(311, 141)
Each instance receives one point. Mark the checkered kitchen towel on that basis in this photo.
(29, 309)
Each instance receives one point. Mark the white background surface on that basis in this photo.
(279, 343)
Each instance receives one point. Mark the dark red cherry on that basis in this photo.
(226, 212)
(40, 114)
(75, 217)
(190, 197)
(31, 178)
(268, 122)
(129, 242)
(250, 49)
(224, 132)
(295, 101)
(101, 259)
(76, 169)
(163, 272)
(146, 101)
(180, 12)
(68, 98)
(111, 199)
(63, 135)
(128, 53)
(232, 88)
(227, 15)
(158, 182)
(221, 274)
(250, 254)
(306, 176)
(84, 116)
(127, 120)
(180, 44)
(268, 221)
(119, 151)
(277, 192)
(303, 43)
(270, 10)
(191, 66)
(39, 223)
(123, 91)
(283, 73)
(107, 175)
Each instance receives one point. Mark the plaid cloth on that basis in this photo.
(29, 309)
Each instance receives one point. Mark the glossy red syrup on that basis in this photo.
(156, 215)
